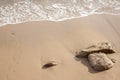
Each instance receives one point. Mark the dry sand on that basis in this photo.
(26, 47)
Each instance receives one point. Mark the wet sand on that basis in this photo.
(26, 47)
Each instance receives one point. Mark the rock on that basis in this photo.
(48, 65)
(100, 61)
(113, 60)
(103, 47)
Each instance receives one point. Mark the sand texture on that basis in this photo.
(25, 48)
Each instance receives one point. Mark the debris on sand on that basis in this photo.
(100, 61)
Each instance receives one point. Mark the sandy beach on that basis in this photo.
(26, 47)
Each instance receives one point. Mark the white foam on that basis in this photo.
(25, 11)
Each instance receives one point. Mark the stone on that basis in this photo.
(103, 47)
(49, 64)
(100, 62)
(113, 60)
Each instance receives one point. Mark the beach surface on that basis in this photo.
(26, 47)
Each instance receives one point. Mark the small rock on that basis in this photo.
(48, 65)
(103, 47)
(113, 60)
(100, 61)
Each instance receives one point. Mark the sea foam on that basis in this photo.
(55, 10)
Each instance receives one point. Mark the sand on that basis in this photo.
(26, 47)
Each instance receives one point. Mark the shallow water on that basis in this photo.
(17, 11)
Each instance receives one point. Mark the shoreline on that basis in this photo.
(61, 20)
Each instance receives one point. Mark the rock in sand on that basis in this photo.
(103, 47)
(100, 61)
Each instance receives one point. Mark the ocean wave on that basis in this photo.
(55, 10)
